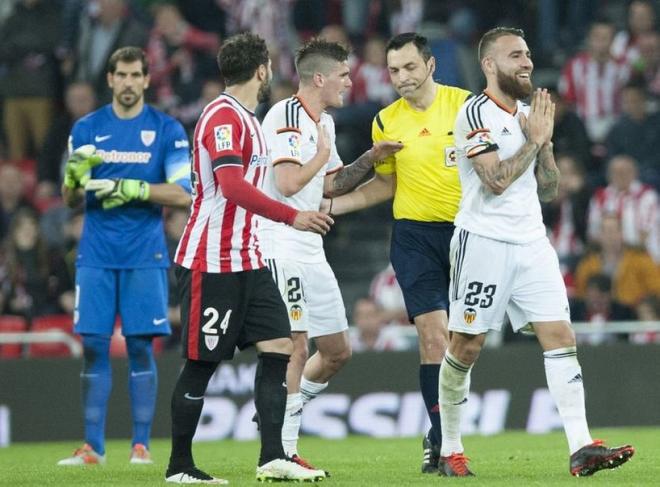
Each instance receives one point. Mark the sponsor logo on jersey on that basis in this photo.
(258, 160)
(294, 145)
(505, 131)
(296, 312)
(101, 138)
(148, 137)
(223, 137)
(124, 157)
(180, 144)
(424, 132)
(469, 315)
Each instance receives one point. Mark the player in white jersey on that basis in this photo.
(306, 166)
(502, 262)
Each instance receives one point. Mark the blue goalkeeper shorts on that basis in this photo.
(138, 296)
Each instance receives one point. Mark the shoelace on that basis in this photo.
(458, 463)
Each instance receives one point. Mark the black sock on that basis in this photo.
(187, 402)
(428, 382)
(270, 400)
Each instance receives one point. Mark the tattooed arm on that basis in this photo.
(348, 177)
(498, 175)
(547, 174)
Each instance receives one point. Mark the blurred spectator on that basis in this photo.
(12, 197)
(29, 85)
(637, 134)
(371, 79)
(598, 308)
(271, 19)
(592, 81)
(175, 222)
(570, 135)
(370, 331)
(566, 216)
(79, 100)
(174, 51)
(386, 293)
(26, 287)
(647, 66)
(408, 17)
(647, 310)
(636, 205)
(104, 26)
(634, 274)
(66, 272)
(641, 20)
(189, 113)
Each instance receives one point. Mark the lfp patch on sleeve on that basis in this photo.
(294, 145)
(223, 137)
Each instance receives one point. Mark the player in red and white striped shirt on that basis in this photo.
(592, 81)
(228, 298)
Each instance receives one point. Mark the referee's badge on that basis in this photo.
(450, 156)
(469, 315)
(148, 137)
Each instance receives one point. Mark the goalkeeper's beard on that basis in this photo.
(128, 99)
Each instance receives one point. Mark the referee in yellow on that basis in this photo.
(423, 178)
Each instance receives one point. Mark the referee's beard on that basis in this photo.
(512, 86)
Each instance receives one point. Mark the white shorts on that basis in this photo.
(311, 295)
(490, 278)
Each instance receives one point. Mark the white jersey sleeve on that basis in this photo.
(482, 126)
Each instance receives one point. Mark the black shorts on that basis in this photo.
(420, 256)
(222, 311)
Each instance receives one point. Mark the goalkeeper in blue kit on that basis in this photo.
(127, 161)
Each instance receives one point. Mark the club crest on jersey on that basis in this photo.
(223, 137)
(469, 315)
(296, 312)
(148, 137)
(211, 341)
(294, 145)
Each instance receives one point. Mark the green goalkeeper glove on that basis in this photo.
(116, 192)
(78, 167)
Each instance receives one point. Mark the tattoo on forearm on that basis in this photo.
(547, 175)
(351, 175)
(500, 176)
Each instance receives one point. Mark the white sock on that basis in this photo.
(291, 426)
(564, 376)
(454, 386)
(310, 390)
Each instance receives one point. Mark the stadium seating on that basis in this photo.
(11, 324)
(47, 323)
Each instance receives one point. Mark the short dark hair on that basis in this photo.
(313, 56)
(489, 38)
(602, 282)
(420, 42)
(128, 54)
(240, 56)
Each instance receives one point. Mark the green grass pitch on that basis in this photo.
(509, 459)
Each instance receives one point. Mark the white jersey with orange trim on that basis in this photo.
(291, 133)
(484, 125)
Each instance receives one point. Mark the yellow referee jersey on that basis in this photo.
(428, 188)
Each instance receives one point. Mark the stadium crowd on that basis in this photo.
(605, 76)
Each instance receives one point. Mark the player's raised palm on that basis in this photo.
(323, 141)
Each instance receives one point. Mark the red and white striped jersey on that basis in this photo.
(594, 89)
(637, 209)
(220, 236)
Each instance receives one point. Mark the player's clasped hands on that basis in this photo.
(539, 125)
(79, 165)
(313, 221)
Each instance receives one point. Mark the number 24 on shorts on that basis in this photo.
(211, 332)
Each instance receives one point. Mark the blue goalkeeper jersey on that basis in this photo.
(152, 147)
